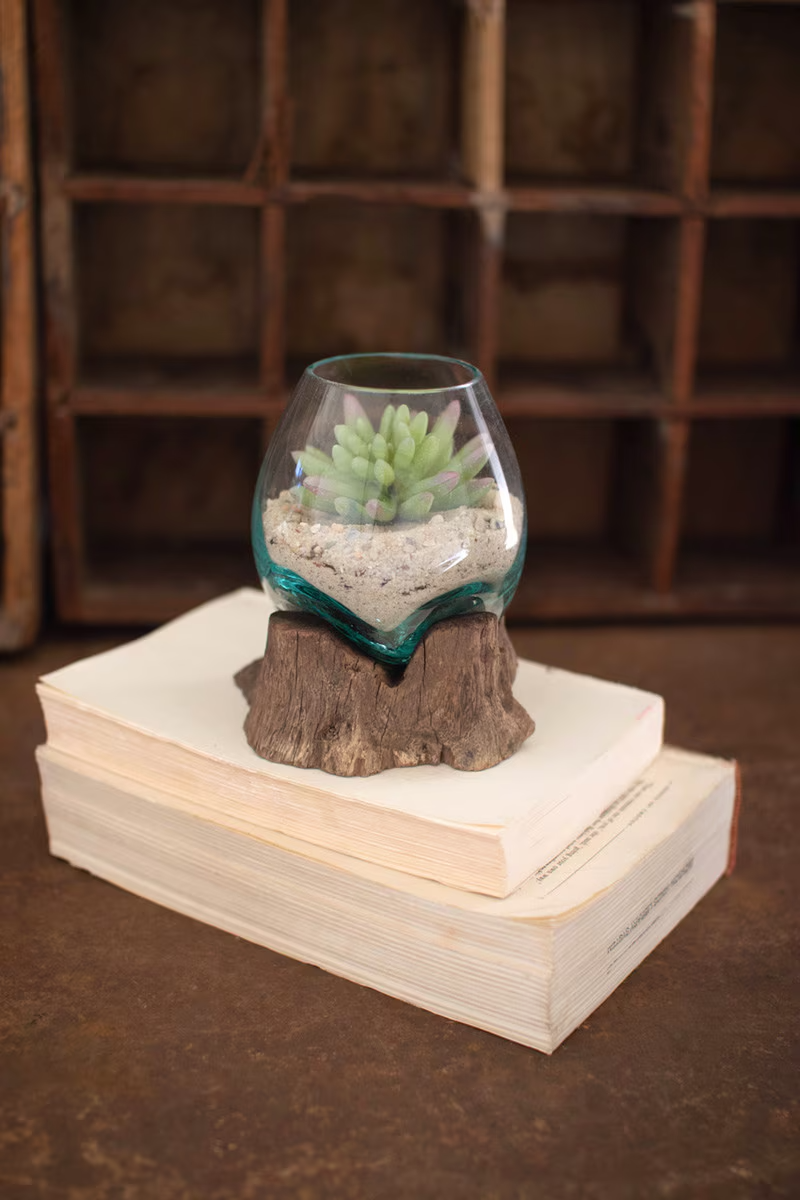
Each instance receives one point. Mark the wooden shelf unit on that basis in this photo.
(599, 203)
(19, 510)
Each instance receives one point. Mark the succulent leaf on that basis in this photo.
(401, 472)
(384, 473)
(350, 510)
(364, 430)
(417, 506)
(438, 485)
(341, 459)
(350, 440)
(402, 417)
(404, 453)
(383, 510)
(428, 455)
(307, 500)
(361, 468)
(466, 494)
(387, 421)
(478, 488)
(331, 486)
(312, 461)
(419, 427)
(472, 457)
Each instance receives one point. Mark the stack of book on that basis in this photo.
(514, 899)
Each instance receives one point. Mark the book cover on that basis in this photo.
(165, 710)
(530, 966)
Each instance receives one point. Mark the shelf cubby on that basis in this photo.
(756, 134)
(167, 291)
(387, 70)
(749, 326)
(386, 283)
(596, 98)
(593, 496)
(740, 524)
(164, 89)
(179, 497)
(584, 309)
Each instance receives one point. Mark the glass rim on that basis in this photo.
(474, 373)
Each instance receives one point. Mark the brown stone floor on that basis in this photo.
(145, 1055)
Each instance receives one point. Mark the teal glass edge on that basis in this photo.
(394, 647)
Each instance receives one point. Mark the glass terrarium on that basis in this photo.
(390, 498)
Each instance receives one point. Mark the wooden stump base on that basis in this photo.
(317, 701)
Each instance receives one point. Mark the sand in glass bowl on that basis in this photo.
(390, 497)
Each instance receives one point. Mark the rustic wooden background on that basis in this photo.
(596, 200)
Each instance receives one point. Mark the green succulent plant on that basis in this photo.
(398, 472)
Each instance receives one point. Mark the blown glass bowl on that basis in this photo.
(390, 498)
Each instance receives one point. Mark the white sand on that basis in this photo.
(383, 573)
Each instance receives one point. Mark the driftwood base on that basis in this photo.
(316, 701)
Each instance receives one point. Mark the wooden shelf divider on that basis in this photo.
(131, 189)
(482, 152)
(695, 105)
(274, 166)
(604, 199)
(756, 202)
(19, 534)
(60, 305)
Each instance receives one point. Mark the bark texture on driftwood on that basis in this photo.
(316, 701)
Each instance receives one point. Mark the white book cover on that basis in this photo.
(165, 711)
(530, 967)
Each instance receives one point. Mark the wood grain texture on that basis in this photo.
(670, 474)
(416, 192)
(316, 701)
(482, 104)
(733, 483)
(554, 454)
(570, 90)
(169, 491)
(385, 70)
(160, 282)
(607, 199)
(271, 300)
(96, 187)
(653, 277)
(686, 314)
(166, 87)
(541, 204)
(271, 157)
(365, 277)
(55, 138)
(19, 532)
(562, 291)
(662, 123)
(749, 313)
(756, 133)
(482, 97)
